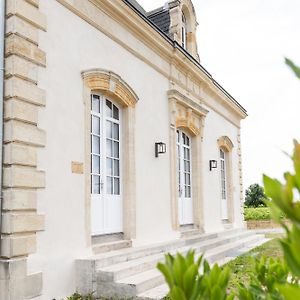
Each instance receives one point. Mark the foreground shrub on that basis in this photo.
(186, 282)
(270, 279)
(77, 296)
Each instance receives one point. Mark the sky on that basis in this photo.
(242, 43)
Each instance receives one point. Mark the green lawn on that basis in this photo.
(240, 268)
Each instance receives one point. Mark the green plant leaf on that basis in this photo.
(167, 274)
(189, 280)
(295, 68)
(290, 292)
(177, 294)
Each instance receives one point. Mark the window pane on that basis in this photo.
(108, 129)
(95, 103)
(187, 191)
(186, 153)
(116, 186)
(116, 168)
(96, 164)
(115, 112)
(187, 179)
(178, 136)
(109, 166)
(186, 166)
(108, 108)
(109, 185)
(116, 131)
(116, 149)
(96, 125)
(222, 154)
(187, 141)
(96, 144)
(109, 148)
(95, 184)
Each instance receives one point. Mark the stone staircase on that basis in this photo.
(131, 272)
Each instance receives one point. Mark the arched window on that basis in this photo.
(105, 165)
(184, 32)
(226, 146)
(224, 183)
(184, 171)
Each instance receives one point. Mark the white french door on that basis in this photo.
(224, 200)
(184, 170)
(106, 197)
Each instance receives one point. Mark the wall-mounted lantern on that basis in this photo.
(160, 148)
(213, 164)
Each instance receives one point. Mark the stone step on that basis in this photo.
(128, 272)
(123, 255)
(129, 287)
(157, 293)
(111, 246)
(233, 250)
(190, 232)
(227, 250)
(141, 282)
(120, 270)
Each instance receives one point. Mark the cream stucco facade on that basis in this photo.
(58, 53)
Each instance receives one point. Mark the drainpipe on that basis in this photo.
(2, 42)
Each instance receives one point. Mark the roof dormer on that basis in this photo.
(183, 25)
(177, 19)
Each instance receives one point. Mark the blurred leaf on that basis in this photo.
(295, 68)
(290, 292)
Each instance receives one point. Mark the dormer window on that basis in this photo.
(184, 32)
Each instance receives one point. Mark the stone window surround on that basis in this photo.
(187, 115)
(226, 145)
(110, 84)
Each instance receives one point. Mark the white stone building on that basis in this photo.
(94, 89)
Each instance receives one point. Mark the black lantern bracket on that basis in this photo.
(213, 164)
(160, 148)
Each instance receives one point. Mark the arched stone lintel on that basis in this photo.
(188, 125)
(225, 143)
(110, 83)
(187, 7)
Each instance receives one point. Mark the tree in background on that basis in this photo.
(255, 196)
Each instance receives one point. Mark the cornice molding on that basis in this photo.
(150, 36)
(187, 102)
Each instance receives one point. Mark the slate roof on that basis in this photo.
(161, 18)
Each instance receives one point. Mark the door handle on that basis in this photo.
(180, 191)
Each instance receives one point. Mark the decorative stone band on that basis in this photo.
(22, 140)
(240, 170)
(112, 84)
